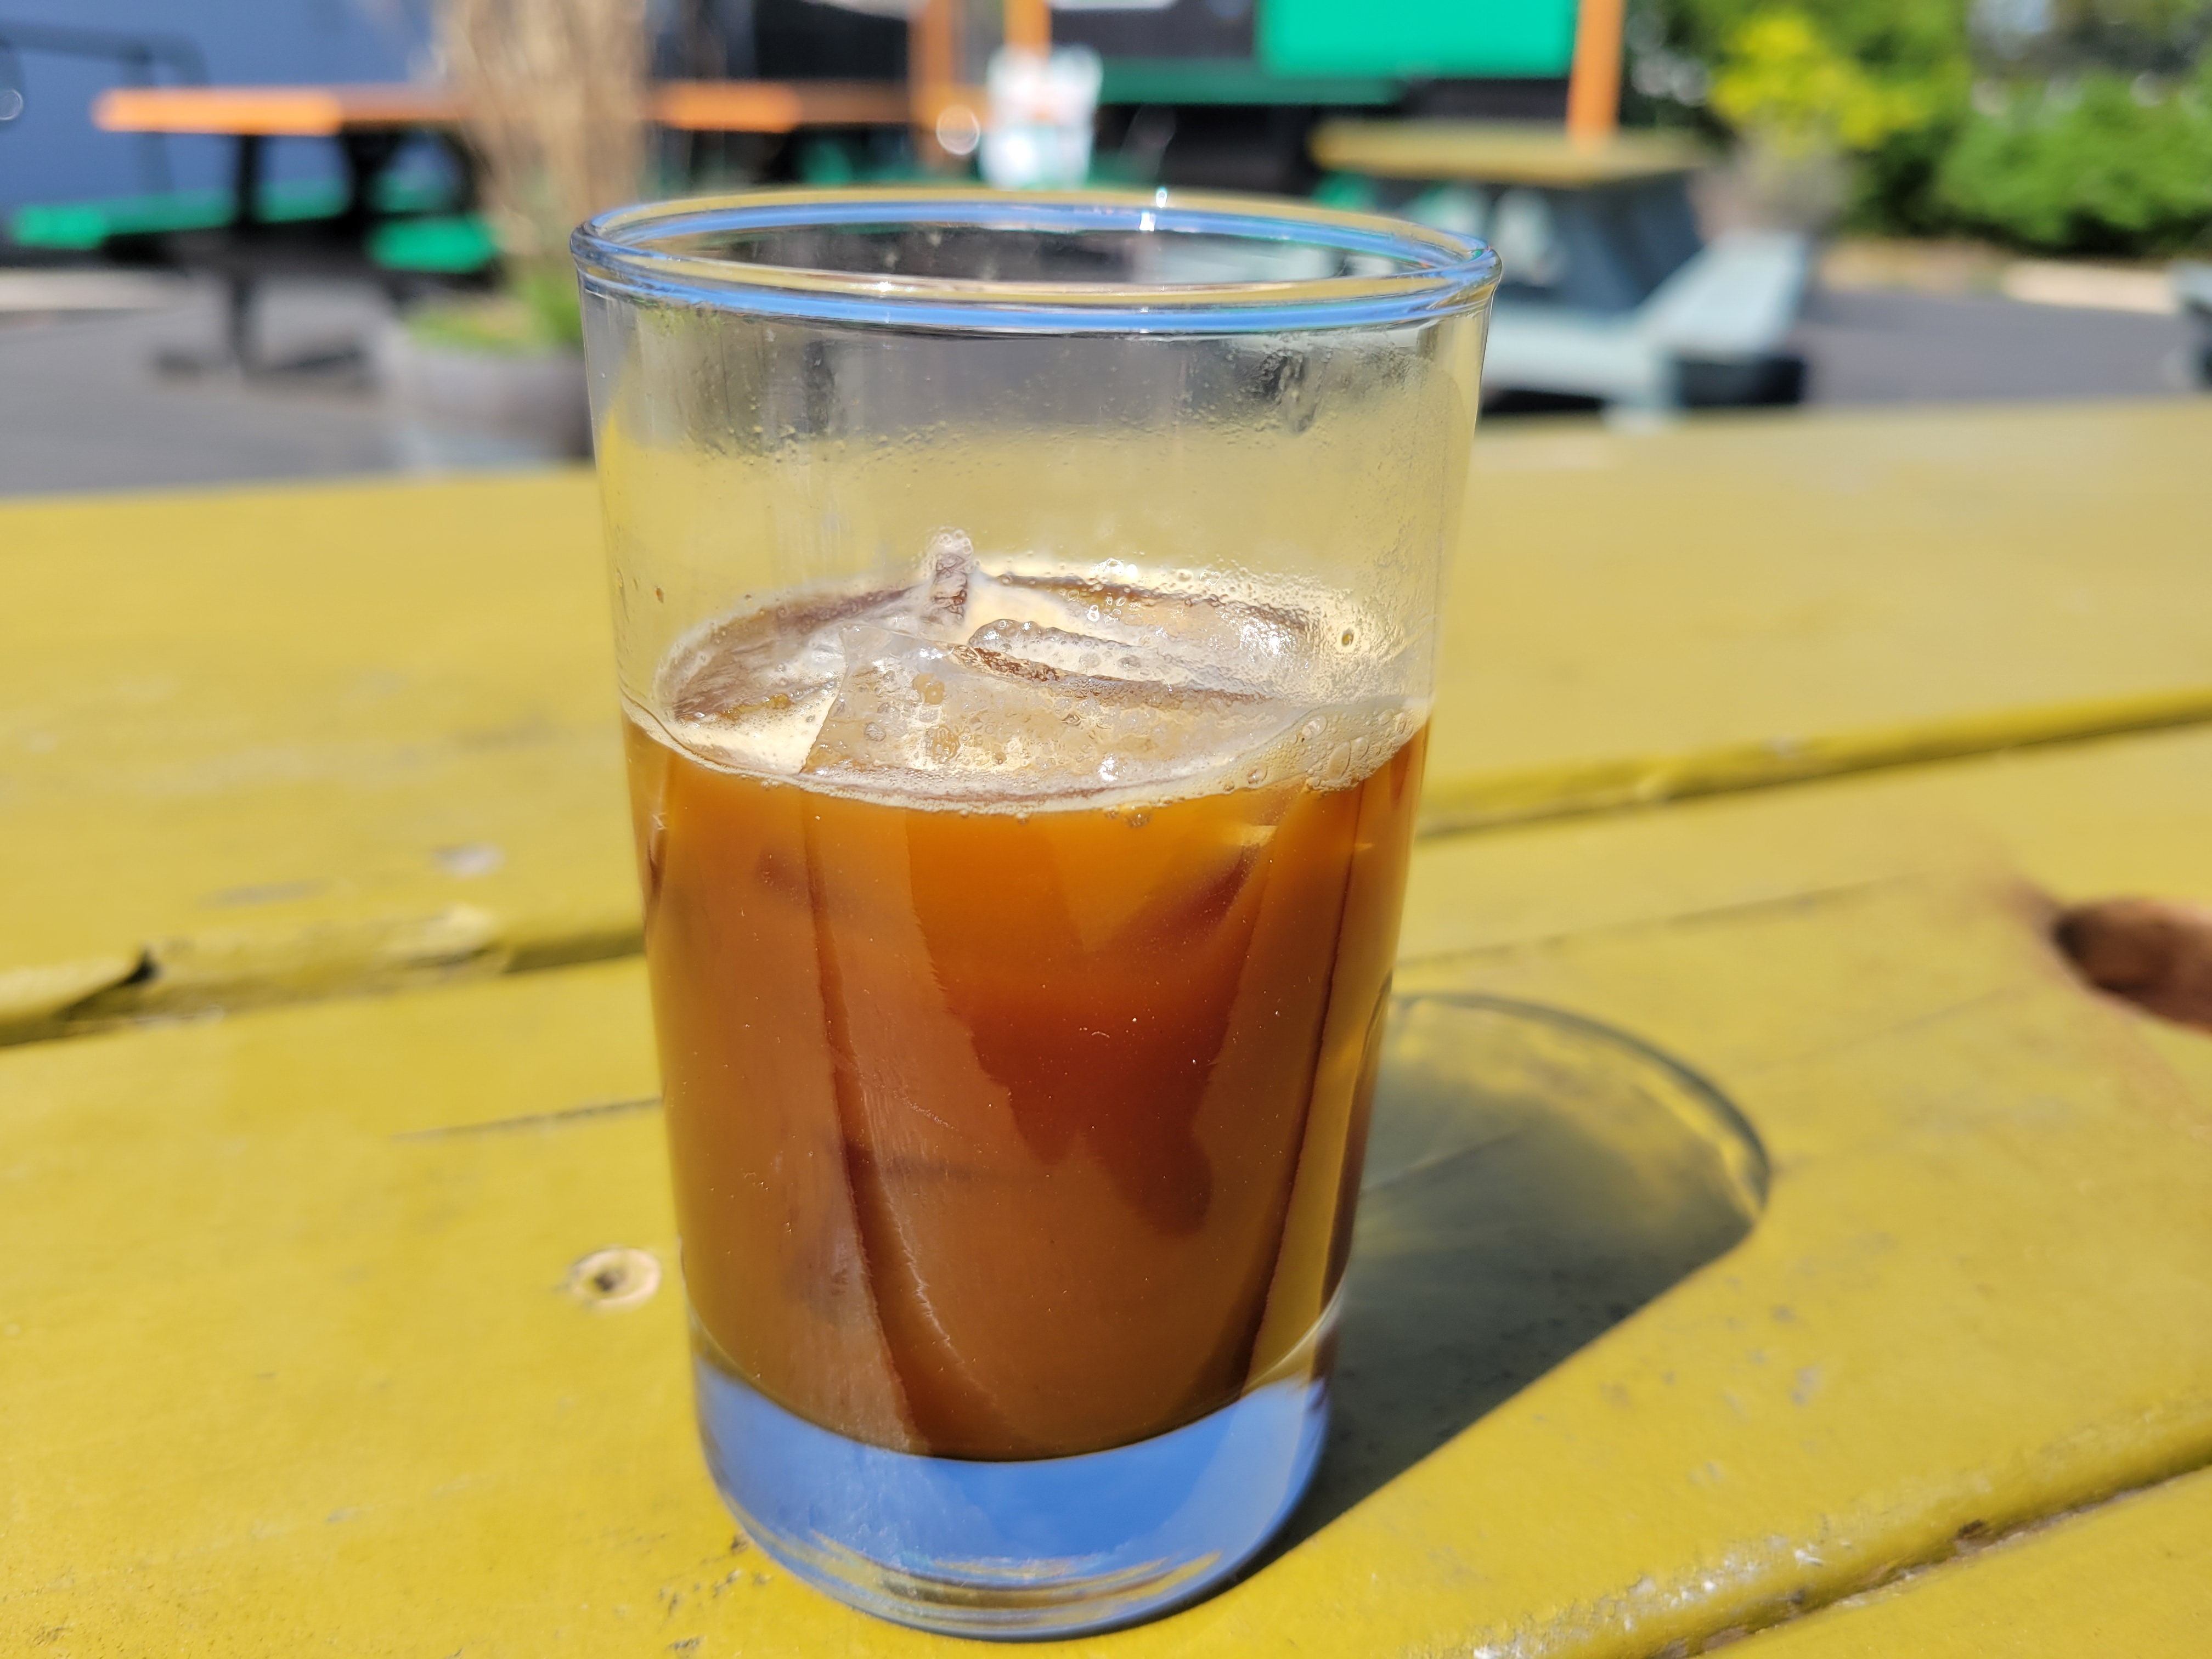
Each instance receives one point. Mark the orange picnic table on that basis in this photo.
(371, 124)
(334, 111)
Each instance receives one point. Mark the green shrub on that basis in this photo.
(2089, 168)
(538, 312)
(2078, 165)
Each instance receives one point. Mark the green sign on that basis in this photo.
(1417, 38)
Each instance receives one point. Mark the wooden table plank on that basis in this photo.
(289, 1362)
(2081, 821)
(1501, 152)
(293, 740)
(2124, 816)
(305, 737)
(325, 112)
(1742, 600)
(2127, 1578)
(1700, 936)
(780, 105)
(274, 111)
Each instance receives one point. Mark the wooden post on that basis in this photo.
(931, 72)
(929, 49)
(1029, 25)
(1593, 90)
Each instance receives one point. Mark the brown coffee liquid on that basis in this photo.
(1012, 1125)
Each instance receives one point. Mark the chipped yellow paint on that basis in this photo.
(286, 1362)
(2127, 1578)
(275, 742)
(263, 744)
(1481, 801)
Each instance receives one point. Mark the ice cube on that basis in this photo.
(939, 601)
(1196, 637)
(1072, 653)
(1009, 596)
(953, 719)
(760, 702)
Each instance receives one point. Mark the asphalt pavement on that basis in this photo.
(1890, 346)
(84, 404)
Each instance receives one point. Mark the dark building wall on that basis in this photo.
(51, 152)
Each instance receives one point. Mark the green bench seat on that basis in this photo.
(424, 235)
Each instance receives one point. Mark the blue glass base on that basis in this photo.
(1054, 1546)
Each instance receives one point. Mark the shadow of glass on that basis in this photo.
(1532, 1178)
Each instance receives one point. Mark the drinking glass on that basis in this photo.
(1026, 615)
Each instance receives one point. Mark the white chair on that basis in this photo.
(1721, 316)
(2192, 286)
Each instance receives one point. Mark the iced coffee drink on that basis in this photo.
(1018, 941)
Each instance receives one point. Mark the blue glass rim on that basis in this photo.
(631, 253)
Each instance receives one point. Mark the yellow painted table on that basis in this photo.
(290, 1353)
(381, 750)
(1537, 153)
(289, 1356)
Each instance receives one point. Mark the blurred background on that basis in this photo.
(245, 239)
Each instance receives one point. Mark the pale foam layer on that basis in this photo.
(1021, 686)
